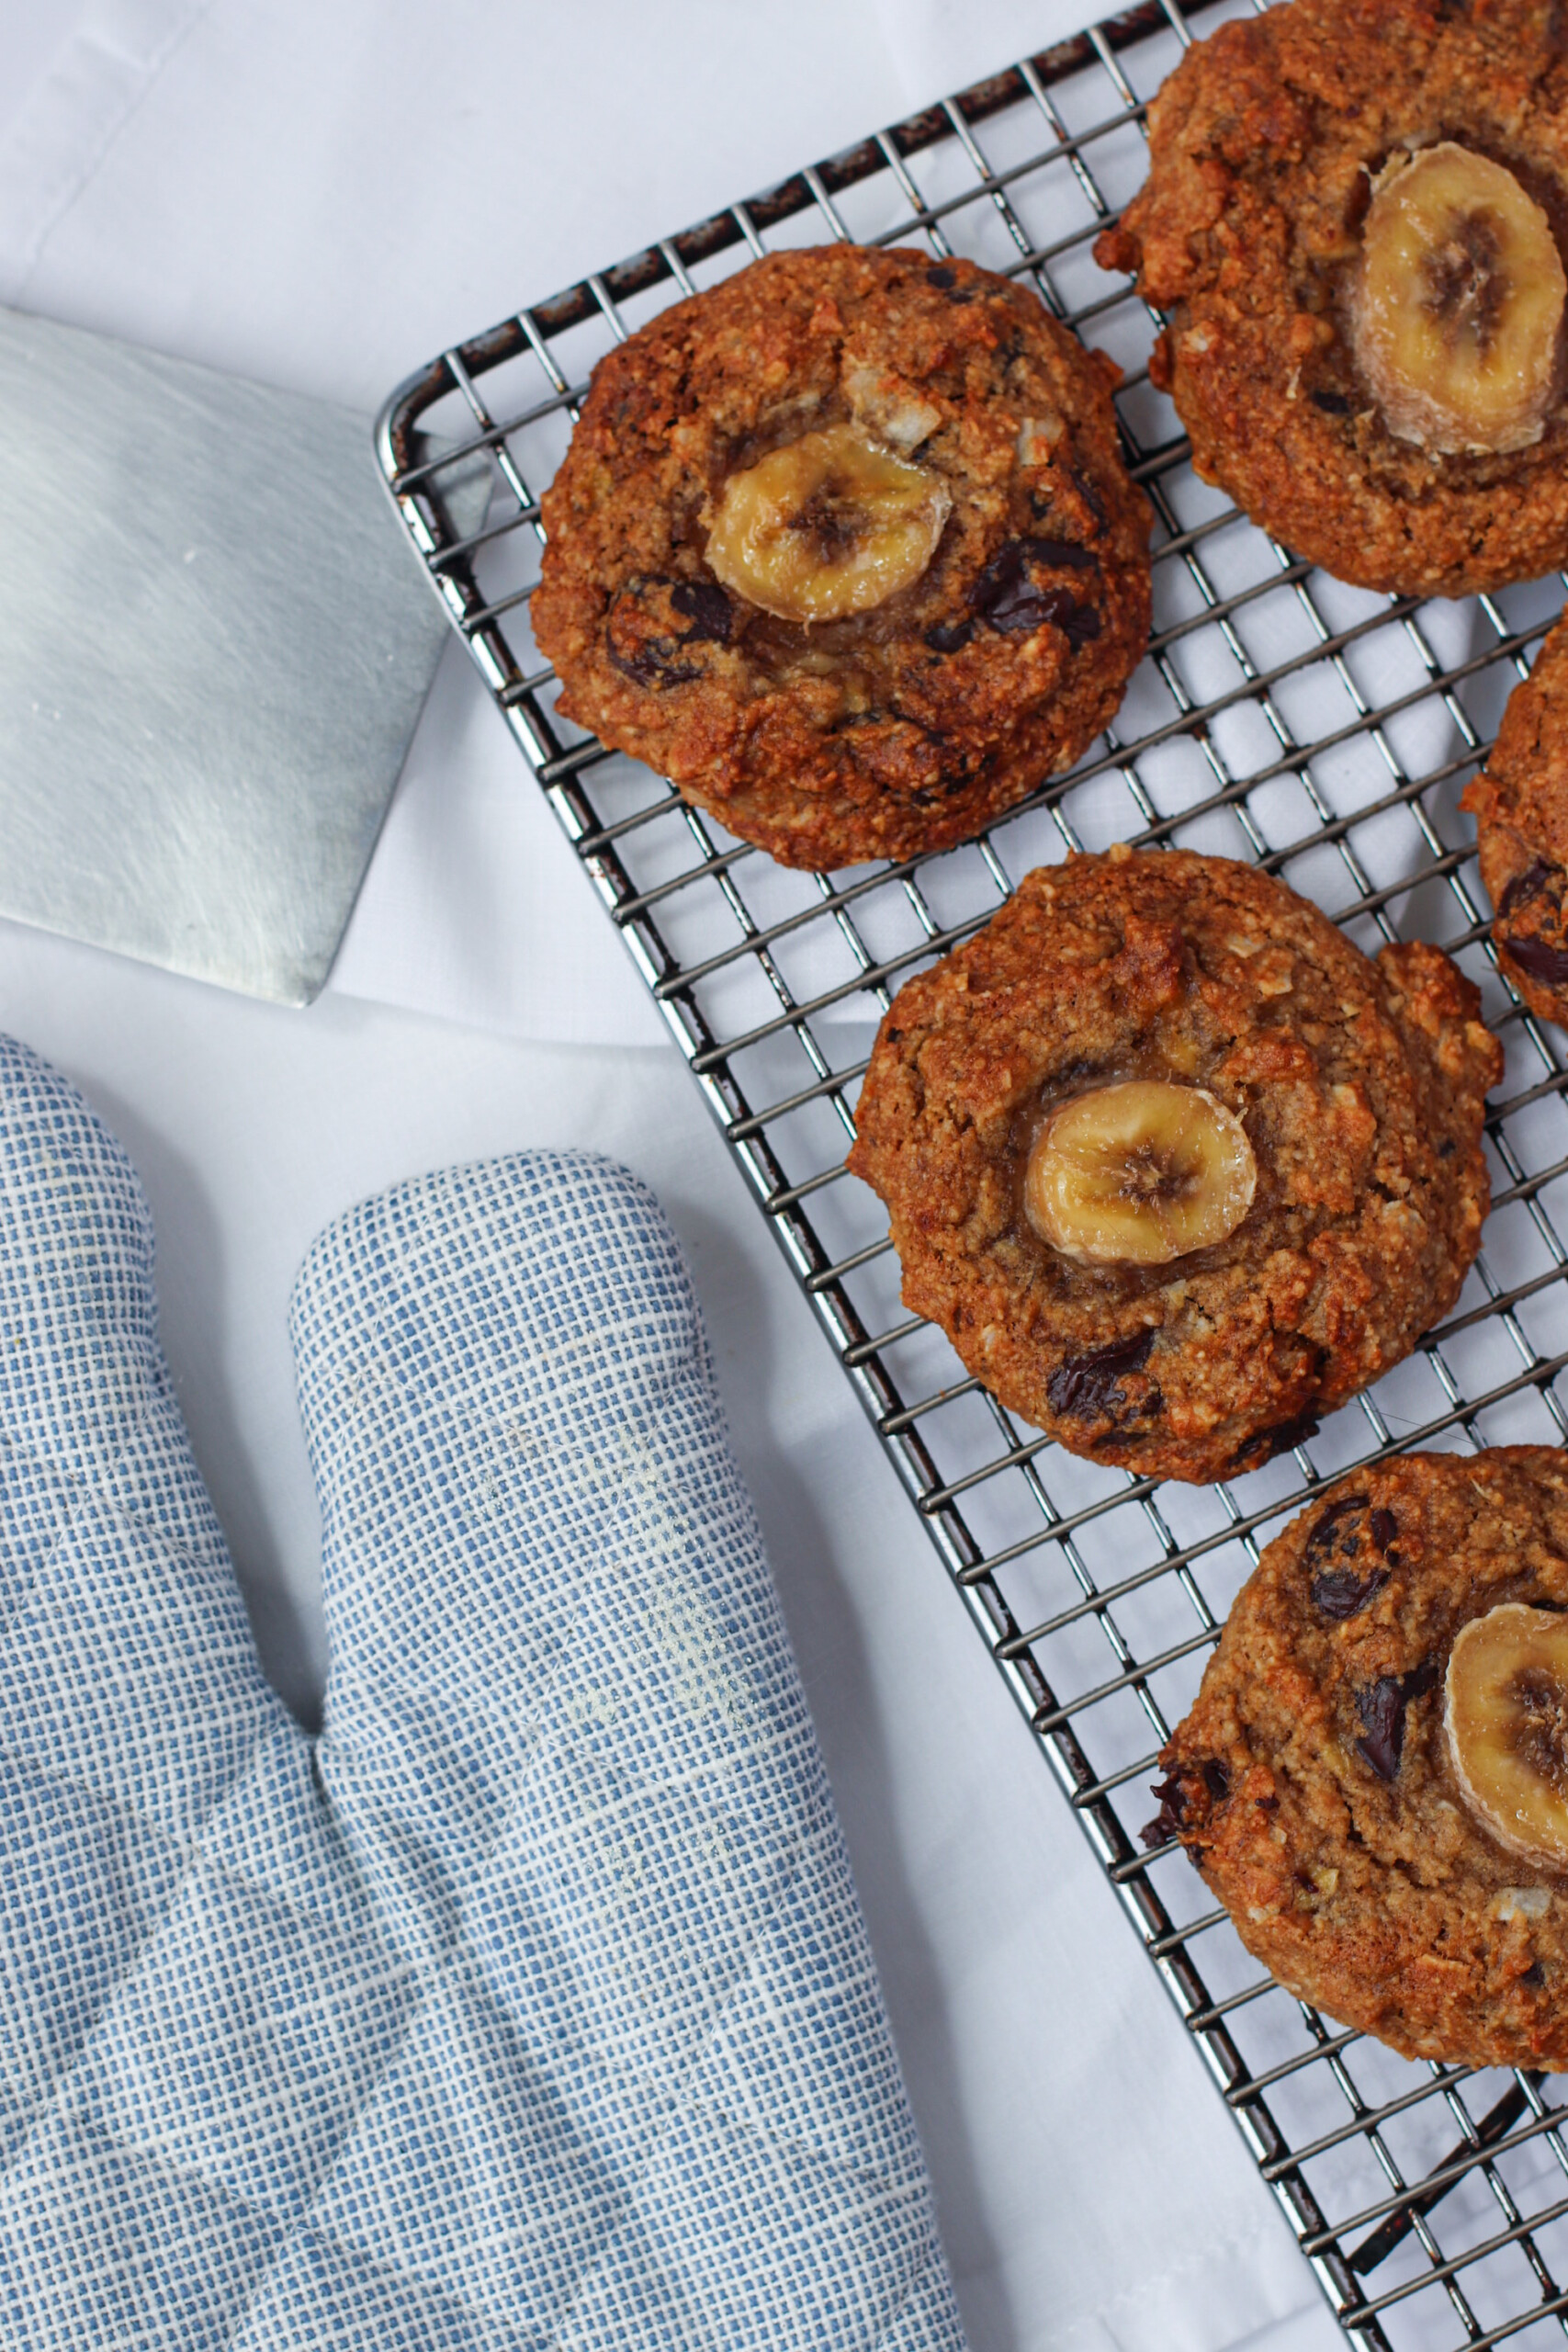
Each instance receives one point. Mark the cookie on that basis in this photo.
(1520, 807)
(1354, 218)
(1373, 1778)
(1175, 1167)
(844, 547)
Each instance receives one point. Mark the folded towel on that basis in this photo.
(531, 2006)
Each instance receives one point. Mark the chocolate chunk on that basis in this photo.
(1267, 1805)
(1170, 1820)
(1079, 623)
(946, 636)
(1332, 404)
(1447, 1149)
(1264, 1444)
(1063, 555)
(1327, 1526)
(945, 279)
(709, 610)
(1089, 491)
(653, 664)
(1534, 1974)
(1339, 1593)
(1090, 1387)
(1526, 885)
(1004, 594)
(1011, 601)
(655, 659)
(1382, 1711)
(1539, 959)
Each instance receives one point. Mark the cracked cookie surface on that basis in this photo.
(1313, 1782)
(1359, 1087)
(1008, 608)
(1271, 146)
(1520, 807)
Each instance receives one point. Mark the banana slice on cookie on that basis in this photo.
(1458, 307)
(1139, 1172)
(1506, 1714)
(830, 524)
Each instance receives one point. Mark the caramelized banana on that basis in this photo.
(1506, 1718)
(830, 524)
(1139, 1172)
(1458, 307)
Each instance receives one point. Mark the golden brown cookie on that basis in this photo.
(1374, 1778)
(1520, 807)
(1175, 1167)
(844, 546)
(1354, 216)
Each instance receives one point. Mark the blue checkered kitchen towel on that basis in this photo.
(530, 2007)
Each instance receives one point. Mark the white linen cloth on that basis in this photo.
(322, 196)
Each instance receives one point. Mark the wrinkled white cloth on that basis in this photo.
(323, 196)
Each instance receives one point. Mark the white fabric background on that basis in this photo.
(321, 195)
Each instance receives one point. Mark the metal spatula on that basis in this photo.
(213, 652)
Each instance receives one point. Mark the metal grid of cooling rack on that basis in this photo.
(1280, 716)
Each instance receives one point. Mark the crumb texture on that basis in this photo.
(886, 731)
(1313, 1783)
(1265, 145)
(1360, 1085)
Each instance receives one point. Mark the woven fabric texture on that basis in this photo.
(528, 2008)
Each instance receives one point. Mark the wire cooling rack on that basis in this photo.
(1324, 733)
